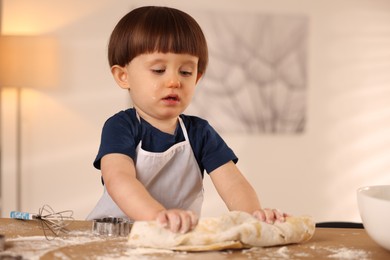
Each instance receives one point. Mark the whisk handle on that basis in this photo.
(21, 215)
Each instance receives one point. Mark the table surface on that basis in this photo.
(25, 238)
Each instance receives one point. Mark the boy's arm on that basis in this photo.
(238, 194)
(134, 200)
(129, 194)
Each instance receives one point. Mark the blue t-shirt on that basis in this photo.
(123, 132)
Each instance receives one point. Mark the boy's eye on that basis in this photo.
(158, 71)
(186, 73)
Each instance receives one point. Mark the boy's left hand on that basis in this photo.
(270, 215)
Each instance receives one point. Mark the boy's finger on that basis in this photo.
(259, 214)
(269, 216)
(279, 215)
(174, 222)
(185, 223)
(194, 220)
(162, 218)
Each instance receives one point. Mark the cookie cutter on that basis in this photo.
(111, 226)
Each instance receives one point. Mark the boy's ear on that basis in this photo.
(120, 75)
(198, 77)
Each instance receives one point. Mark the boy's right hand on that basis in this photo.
(177, 220)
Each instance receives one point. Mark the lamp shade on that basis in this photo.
(28, 61)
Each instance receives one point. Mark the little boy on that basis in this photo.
(152, 157)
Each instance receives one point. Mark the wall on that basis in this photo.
(345, 145)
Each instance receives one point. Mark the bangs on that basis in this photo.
(161, 29)
(171, 33)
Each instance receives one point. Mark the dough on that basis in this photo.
(233, 230)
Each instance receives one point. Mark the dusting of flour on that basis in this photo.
(140, 254)
(342, 253)
(346, 253)
(34, 247)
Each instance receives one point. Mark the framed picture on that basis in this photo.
(256, 80)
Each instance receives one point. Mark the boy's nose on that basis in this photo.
(174, 83)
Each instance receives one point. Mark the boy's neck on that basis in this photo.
(167, 125)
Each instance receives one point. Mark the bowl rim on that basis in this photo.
(360, 191)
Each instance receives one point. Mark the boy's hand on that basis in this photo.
(270, 215)
(177, 220)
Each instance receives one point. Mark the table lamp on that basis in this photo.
(25, 62)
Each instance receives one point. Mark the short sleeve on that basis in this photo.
(215, 150)
(210, 150)
(119, 135)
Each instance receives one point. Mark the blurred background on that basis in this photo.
(49, 144)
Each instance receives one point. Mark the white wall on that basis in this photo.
(346, 143)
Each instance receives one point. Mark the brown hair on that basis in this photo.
(162, 29)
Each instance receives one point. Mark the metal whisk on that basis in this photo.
(52, 222)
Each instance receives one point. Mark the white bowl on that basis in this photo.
(374, 208)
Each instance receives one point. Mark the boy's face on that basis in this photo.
(161, 84)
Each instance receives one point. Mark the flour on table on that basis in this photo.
(148, 251)
(346, 253)
(142, 253)
(269, 252)
(283, 252)
(34, 247)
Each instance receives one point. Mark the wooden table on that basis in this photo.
(25, 239)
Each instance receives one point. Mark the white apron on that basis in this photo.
(172, 177)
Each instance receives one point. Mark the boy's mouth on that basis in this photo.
(172, 97)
